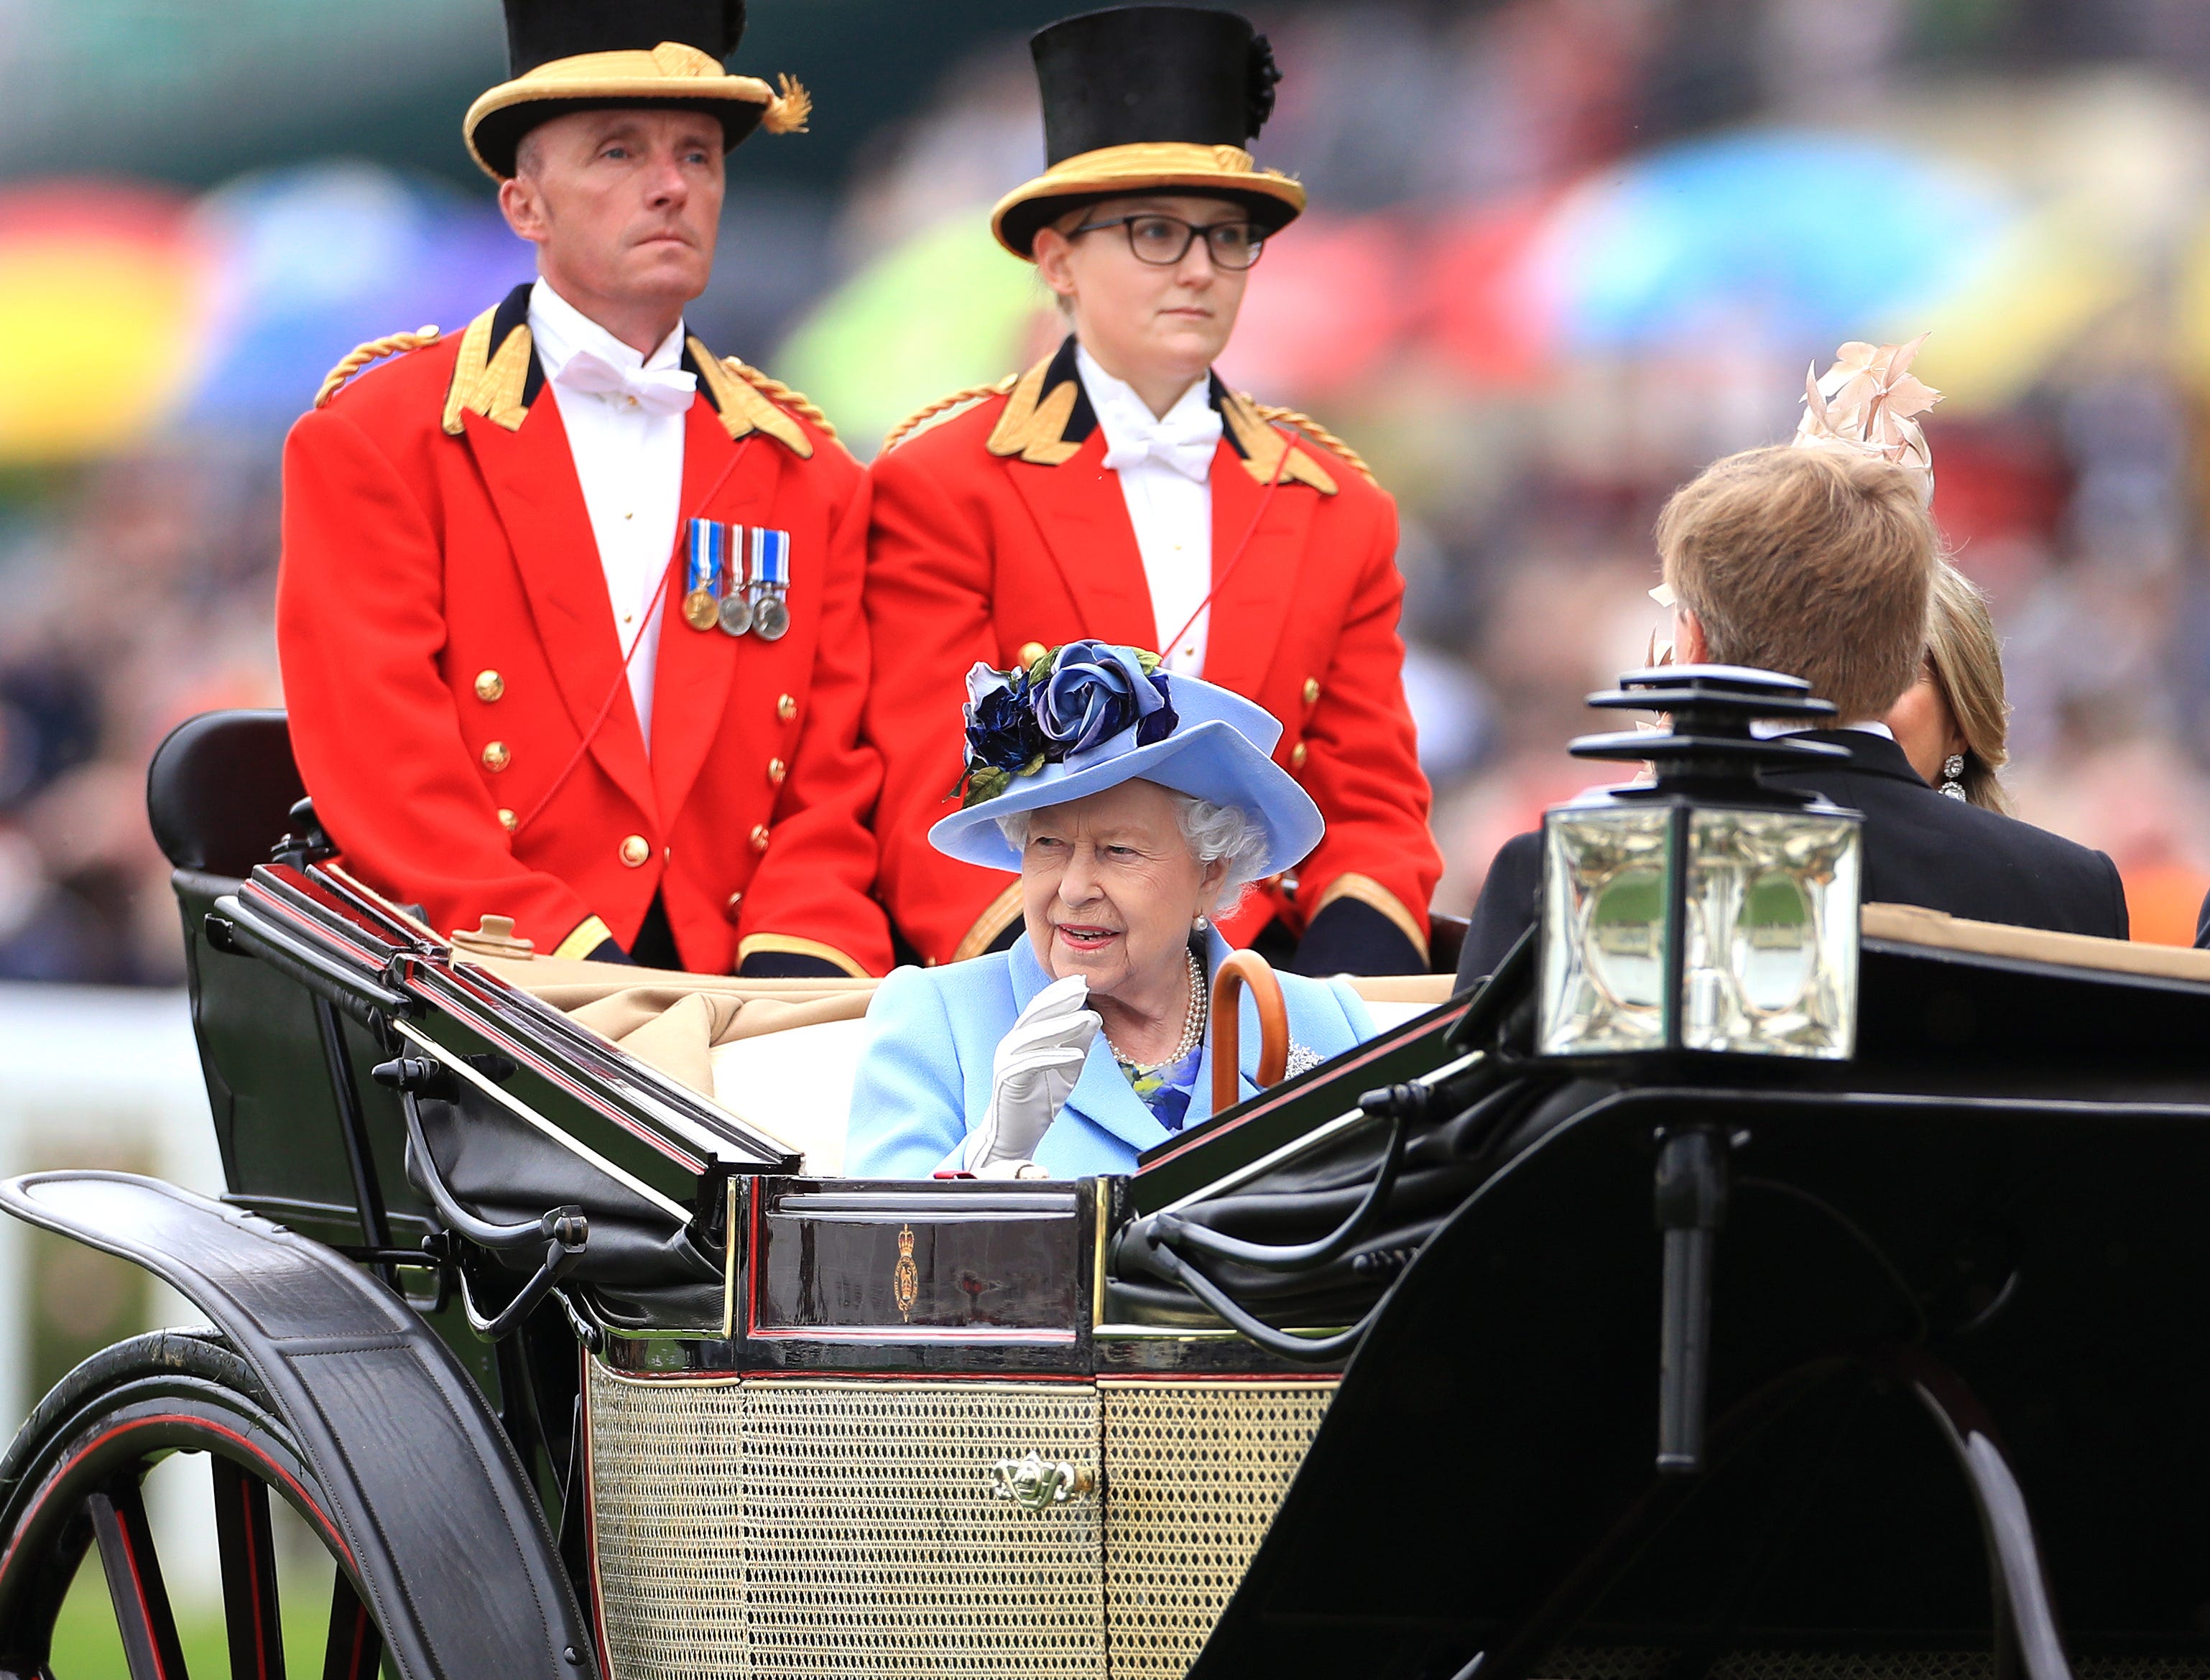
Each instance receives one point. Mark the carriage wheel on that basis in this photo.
(71, 1480)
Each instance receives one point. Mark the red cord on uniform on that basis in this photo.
(621, 680)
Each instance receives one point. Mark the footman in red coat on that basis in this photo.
(1118, 491)
(569, 614)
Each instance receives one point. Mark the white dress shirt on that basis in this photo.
(628, 459)
(1165, 466)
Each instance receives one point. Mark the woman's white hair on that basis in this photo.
(1213, 834)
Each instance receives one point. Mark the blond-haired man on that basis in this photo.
(1819, 563)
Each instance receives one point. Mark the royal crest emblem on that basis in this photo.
(905, 1282)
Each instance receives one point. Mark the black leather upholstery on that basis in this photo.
(221, 789)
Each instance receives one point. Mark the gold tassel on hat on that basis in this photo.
(788, 110)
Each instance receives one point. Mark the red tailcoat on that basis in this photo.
(458, 704)
(1002, 529)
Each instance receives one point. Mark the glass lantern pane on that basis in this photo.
(1770, 957)
(1603, 950)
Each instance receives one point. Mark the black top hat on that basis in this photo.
(1146, 98)
(584, 55)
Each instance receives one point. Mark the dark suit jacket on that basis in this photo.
(1920, 847)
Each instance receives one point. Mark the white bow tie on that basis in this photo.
(1185, 441)
(656, 390)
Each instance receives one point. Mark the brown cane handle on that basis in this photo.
(1241, 969)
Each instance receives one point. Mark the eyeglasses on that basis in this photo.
(1163, 241)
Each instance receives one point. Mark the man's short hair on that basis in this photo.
(1812, 562)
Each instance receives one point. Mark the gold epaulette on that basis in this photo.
(1033, 422)
(1311, 428)
(362, 354)
(776, 391)
(487, 381)
(920, 417)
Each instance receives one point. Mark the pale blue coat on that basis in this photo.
(925, 1076)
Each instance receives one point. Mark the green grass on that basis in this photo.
(87, 1647)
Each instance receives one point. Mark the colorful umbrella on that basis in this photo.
(1788, 236)
(946, 310)
(314, 260)
(103, 288)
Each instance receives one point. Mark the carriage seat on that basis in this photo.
(220, 792)
(781, 1055)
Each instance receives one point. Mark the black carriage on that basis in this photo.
(1498, 1345)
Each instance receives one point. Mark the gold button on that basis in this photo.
(637, 850)
(786, 708)
(1311, 689)
(507, 820)
(1031, 651)
(496, 757)
(1297, 756)
(759, 836)
(490, 685)
(735, 900)
(776, 770)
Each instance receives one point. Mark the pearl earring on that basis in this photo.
(1197, 921)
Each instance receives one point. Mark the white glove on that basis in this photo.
(1037, 1063)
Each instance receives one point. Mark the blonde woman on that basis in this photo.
(1951, 723)
(1120, 490)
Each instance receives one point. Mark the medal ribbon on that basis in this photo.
(740, 542)
(709, 541)
(770, 568)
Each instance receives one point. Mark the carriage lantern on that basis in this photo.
(1702, 908)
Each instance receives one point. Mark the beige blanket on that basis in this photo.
(673, 1021)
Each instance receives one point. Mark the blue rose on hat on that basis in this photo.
(1090, 715)
(1094, 691)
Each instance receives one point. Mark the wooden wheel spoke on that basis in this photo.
(355, 1648)
(250, 1605)
(134, 1583)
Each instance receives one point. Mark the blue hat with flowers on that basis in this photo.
(1088, 716)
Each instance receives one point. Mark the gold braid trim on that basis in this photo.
(1311, 428)
(776, 391)
(920, 417)
(788, 110)
(375, 350)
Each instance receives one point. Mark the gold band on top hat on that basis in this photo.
(1146, 166)
(669, 71)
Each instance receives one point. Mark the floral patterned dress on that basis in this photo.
(1166, 1090)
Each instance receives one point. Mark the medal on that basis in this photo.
(708, 547)
(770, 582)
(734, 613)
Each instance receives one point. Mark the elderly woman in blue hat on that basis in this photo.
(1136, 806)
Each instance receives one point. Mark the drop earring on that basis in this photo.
(1953, 775)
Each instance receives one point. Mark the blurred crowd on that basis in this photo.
(1532, 293)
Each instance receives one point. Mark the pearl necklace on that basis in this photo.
(1192, 1029)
